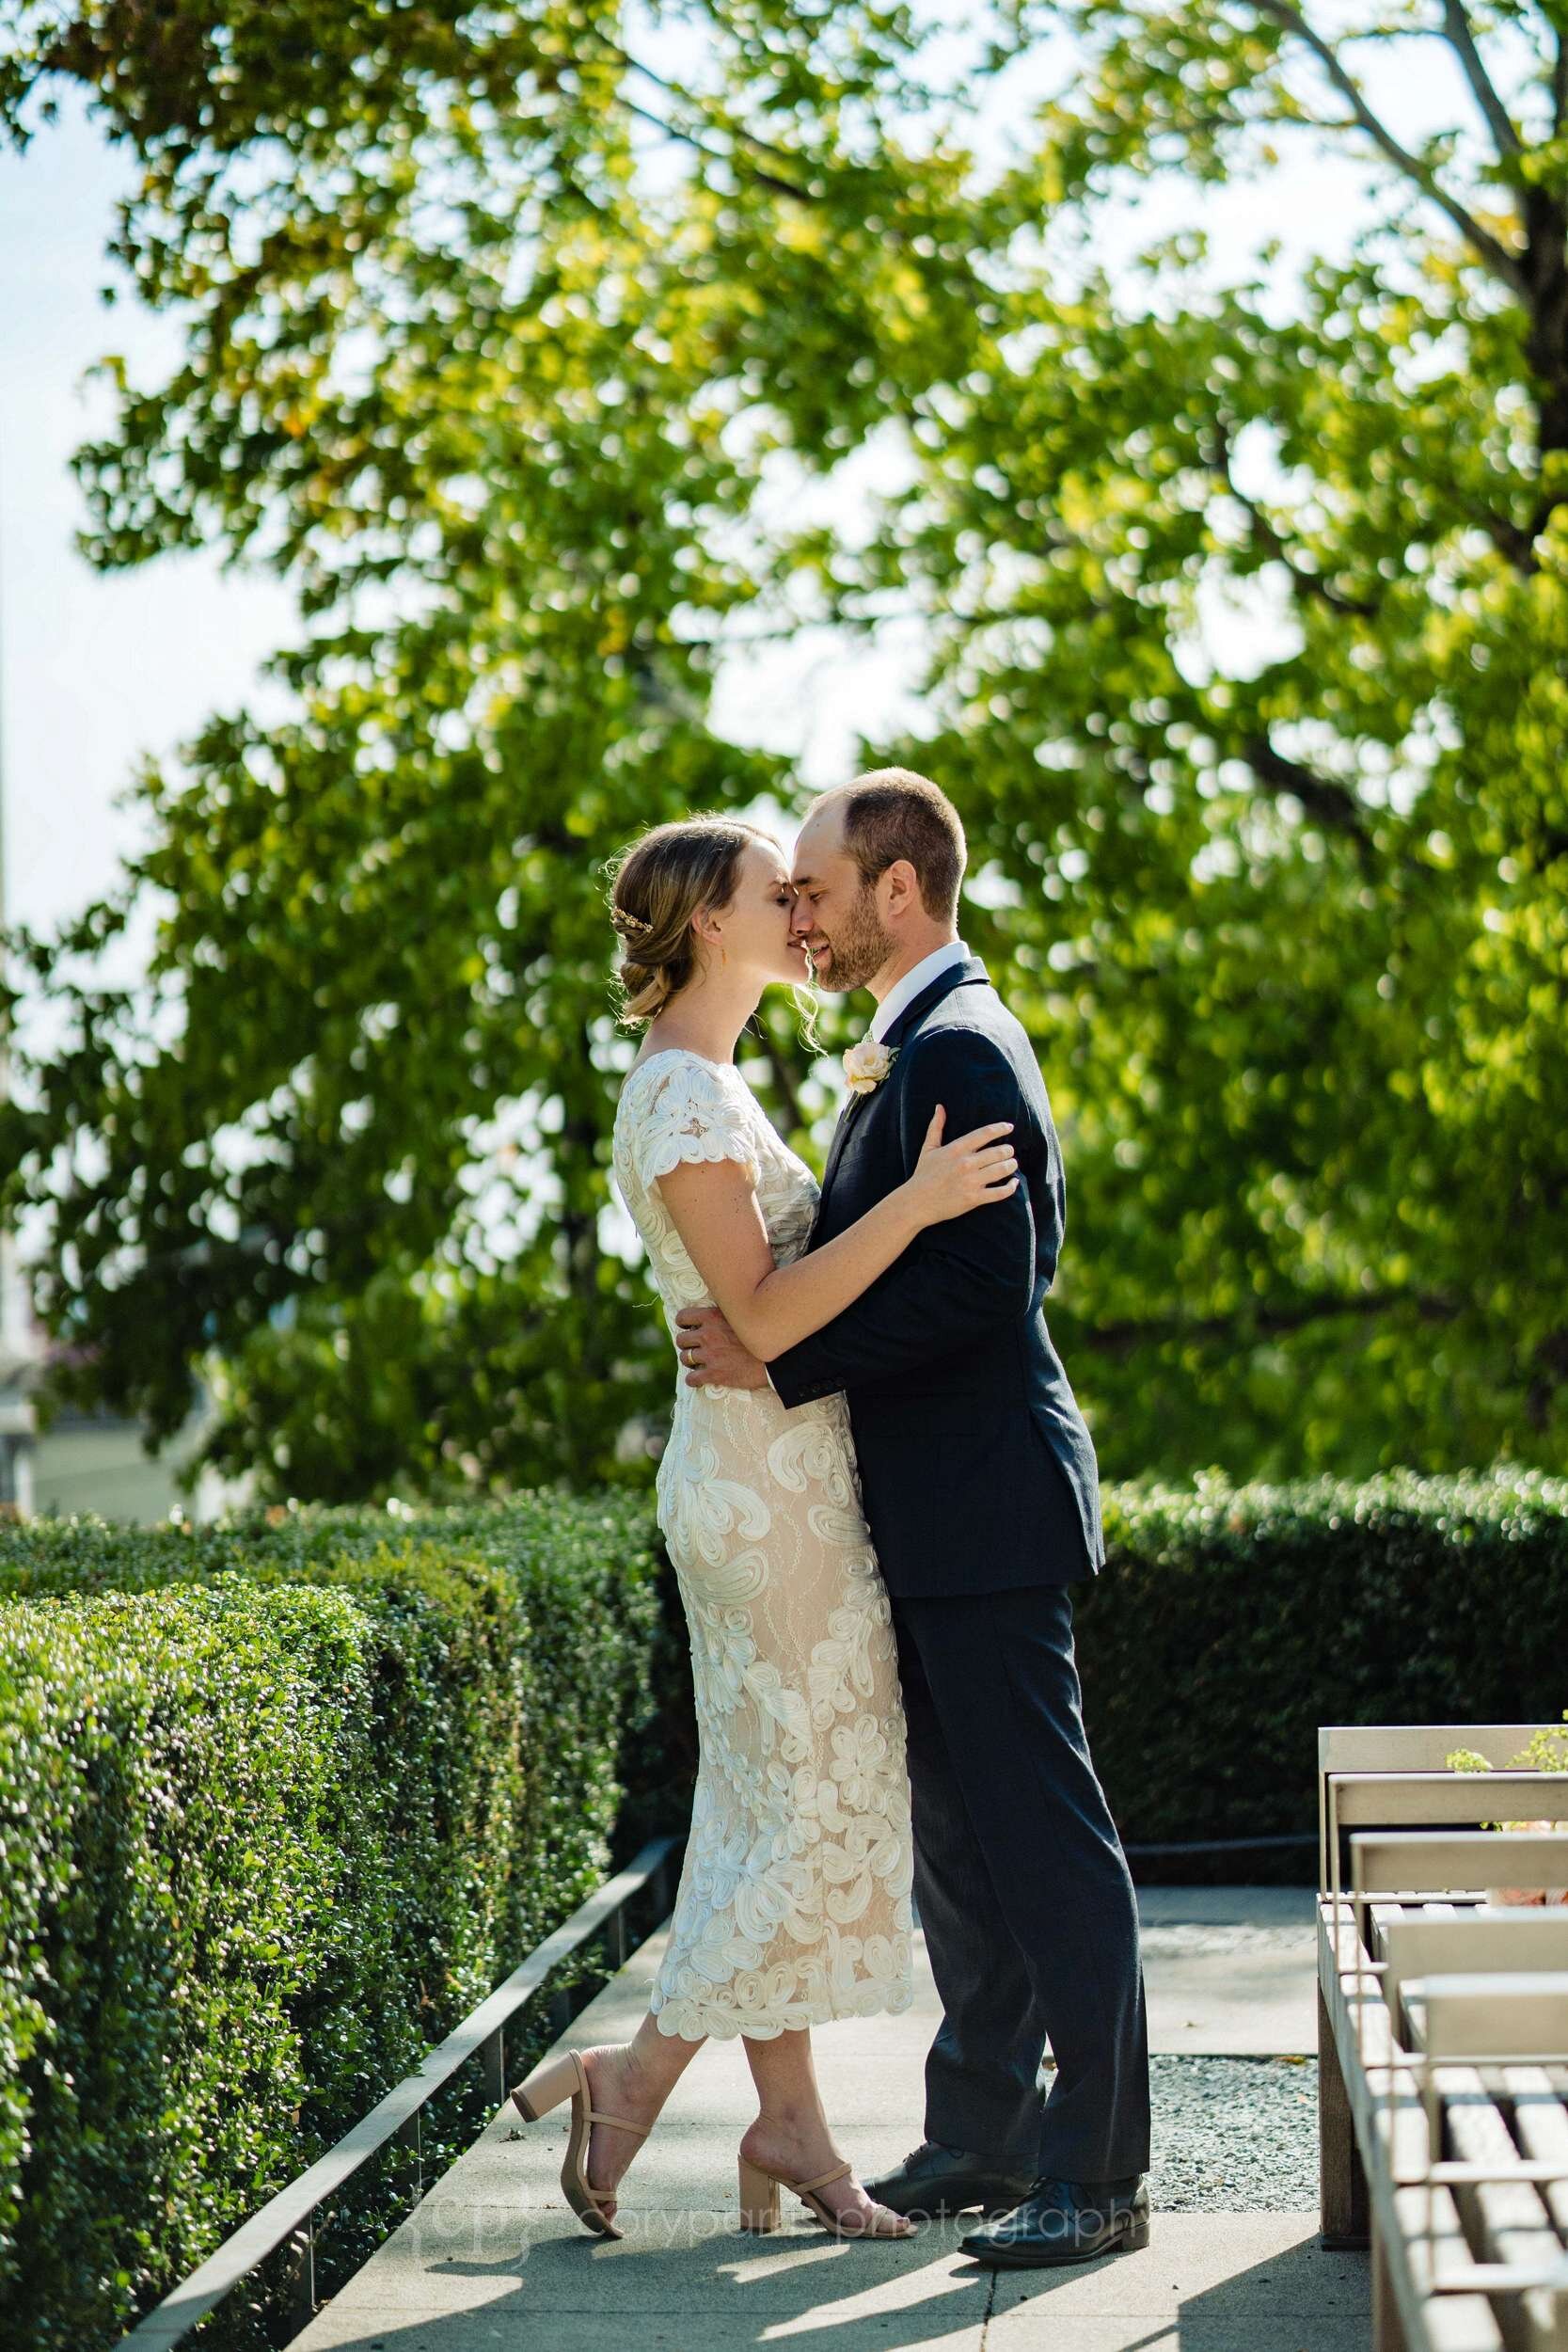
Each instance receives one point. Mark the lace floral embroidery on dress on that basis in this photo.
(690, 1115)
(794, 1902)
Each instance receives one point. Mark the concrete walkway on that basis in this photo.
(492, 2260)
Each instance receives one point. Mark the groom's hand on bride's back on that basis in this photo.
(714, 1358)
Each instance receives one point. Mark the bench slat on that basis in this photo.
(1419, 1747)
(1448, 1797)
(1470, 2016)
(1508, 1942)
(1511, 2223)
(1541, 2122)
(1444, 1862)
(1457, 2321)
(1418, 1954)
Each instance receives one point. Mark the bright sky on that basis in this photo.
(93, 670)
(96, 671)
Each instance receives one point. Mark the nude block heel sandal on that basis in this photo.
(566, 2077)
(760, 2201)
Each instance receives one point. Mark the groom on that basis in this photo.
(981, 1492)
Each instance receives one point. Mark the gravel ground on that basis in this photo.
(1234, 2134)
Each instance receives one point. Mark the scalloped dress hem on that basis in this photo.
(678, 2019)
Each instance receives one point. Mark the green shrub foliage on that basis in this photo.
(279, 1803)
(1230, 1621)
(281, 1800)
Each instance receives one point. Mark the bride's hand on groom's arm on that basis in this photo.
(714, 1358)
(950, 1179)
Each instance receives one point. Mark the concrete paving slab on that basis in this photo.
(1240, 2266)
(492, 2257)
(1034, 2331)
(1206, 2284)
(538, 2280)
(669, 2331)
(1231, 1987)
(673, 2330)
(678, 2331)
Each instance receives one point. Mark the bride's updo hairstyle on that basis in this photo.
(657, 886)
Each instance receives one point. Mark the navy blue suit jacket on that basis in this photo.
(976, 1468)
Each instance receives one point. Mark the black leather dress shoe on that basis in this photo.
(1065, 2222)
(934, 2182)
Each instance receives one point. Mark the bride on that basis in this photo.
(793, 1901)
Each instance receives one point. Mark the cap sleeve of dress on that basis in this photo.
(689, 1112)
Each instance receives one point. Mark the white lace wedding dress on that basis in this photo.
(793, 1901)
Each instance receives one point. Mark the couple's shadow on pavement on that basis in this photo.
(672, 2287)
(668, 2287)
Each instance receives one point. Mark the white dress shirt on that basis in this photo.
(903, 992)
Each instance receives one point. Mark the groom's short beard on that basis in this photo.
(862, 947)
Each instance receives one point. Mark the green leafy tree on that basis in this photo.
(509, 400)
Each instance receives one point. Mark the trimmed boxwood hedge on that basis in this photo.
(1229, 1622)
(279, 1803)
(281, 1799)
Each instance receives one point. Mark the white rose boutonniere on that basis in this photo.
(867, 1065)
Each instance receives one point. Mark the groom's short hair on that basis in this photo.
(892, 813)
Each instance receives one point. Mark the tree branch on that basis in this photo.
(1517, 540)
(1333, 803)
(697, 106)
(1001, 617)
(1309, 583)
(1491, 250)
(715, 154)
(1461, 40)
(1548, 1371)
(728, 129)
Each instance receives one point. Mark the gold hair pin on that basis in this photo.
(629, 926)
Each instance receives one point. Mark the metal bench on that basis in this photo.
(1443, 2037)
